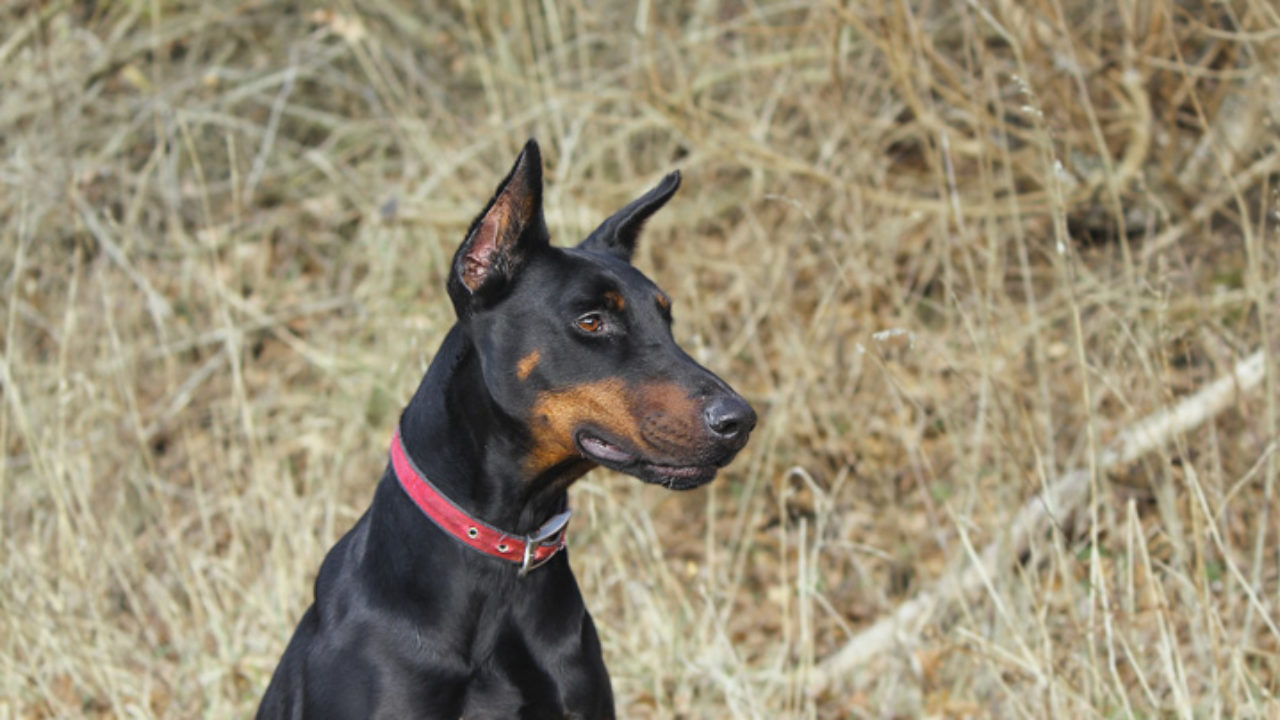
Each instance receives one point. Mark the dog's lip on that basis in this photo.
(602, 451)
(610, 454)
(677, 477)
(682, 472)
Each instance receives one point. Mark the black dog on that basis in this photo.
(562, 359)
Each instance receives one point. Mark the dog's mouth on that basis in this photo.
(603, 451)
(613, 456)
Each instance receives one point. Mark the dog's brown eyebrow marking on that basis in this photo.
(615, 301)
(664, 302)
(527, 364)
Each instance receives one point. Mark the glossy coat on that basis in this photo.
(561, 359)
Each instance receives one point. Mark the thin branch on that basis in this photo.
(1037, 516)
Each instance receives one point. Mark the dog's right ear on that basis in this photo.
(503, 236)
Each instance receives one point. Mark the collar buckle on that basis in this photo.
(550, 535)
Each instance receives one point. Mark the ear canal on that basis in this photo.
(501, 238)
(618, 234)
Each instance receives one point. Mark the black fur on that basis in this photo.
(410, 623)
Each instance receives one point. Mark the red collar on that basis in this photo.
(527, 551)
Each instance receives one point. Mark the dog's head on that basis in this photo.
(575, 344)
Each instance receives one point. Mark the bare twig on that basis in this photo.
(273, 126)
(1038, 514)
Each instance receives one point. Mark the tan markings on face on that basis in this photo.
(664, 301)
(615, 301)
(658, 420)
(527, 364)
(670, 421)
(557, 414)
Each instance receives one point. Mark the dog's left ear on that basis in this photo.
(618, 234)
(505, 234)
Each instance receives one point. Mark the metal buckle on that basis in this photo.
(550, 534)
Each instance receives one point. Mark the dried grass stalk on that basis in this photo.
(1063, 498)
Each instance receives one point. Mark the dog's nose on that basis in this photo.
(729, 417)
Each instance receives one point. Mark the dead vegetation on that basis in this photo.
(953, 252)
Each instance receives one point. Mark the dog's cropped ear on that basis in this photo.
(619, 233)
(503, 236)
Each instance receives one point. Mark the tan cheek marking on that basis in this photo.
(527, 364)
(658, 419)
(558, 413)
(615, 301)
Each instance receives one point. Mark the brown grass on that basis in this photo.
(949, 250)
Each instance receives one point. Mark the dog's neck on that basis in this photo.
(473, 451)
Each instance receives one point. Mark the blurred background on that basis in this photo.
(964, 258)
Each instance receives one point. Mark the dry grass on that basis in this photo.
(225, 228)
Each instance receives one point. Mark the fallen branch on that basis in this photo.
(1037, 515)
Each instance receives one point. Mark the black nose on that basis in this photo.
(729, 417)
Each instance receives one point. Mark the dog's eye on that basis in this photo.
(591, 322)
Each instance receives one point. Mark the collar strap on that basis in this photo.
(528, 551)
